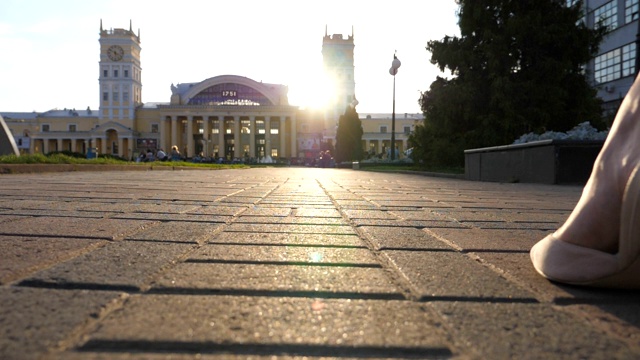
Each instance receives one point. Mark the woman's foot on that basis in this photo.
(595, 221)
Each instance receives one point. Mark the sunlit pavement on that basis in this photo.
(291, 262)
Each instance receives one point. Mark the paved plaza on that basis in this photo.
(291, 263)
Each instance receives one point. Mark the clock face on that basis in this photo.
(115, 53)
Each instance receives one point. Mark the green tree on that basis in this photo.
(349, 136)
(517, 67)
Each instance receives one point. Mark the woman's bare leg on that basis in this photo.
(595, 221)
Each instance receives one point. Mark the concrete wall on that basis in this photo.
(546, 162)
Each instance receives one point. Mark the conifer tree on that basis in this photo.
(517, 67)
(349, 136)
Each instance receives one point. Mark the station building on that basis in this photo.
(226, 116)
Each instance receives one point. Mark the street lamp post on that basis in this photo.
(395, 64)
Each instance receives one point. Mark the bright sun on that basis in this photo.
(312, 92)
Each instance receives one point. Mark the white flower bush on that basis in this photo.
(583, 131)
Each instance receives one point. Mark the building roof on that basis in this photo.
(69, 112)
(8, 115)
(378, 116)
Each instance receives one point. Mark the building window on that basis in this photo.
(630, 10)
(383, 129)
(72, 127)
(116, 96)
(45, 127)
(126, 73)
(274, 152)
(115, 73)
(629, 59)
(273, 131)
(607, 66)
(608, 14)
(245, 127)
(125, 96)
(407, 130)
(154, 128)
(105, 73)
(615, 64)
(262, 141)
(105, 96)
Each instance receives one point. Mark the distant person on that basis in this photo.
(599, 244)
(175, 154)
(150, 155)
(161, 155)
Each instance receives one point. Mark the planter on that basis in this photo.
(545, 161)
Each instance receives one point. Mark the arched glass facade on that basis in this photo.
(230, 94)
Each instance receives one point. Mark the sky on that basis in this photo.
(49, 50)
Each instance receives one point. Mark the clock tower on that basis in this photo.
(337, 55)
(120, 75)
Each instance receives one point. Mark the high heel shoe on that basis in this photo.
(564, 262)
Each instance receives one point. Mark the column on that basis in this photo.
(163, 134)
(174, 131)
(120, 146)
(252, 136)
(103, 145)
(294, 137)
(267, 136)
(283, 138)
(237, 148)
(190, 147)
(45, 146)
(221, 146)
(73, 145)
(205, 135)
(59, 148)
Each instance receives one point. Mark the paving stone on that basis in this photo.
(325, 240)
(315, 212)
(291, 220)
(272, 326)
(61, 213)
(22, 256)
(472, 216)
(260, 211)
(518, 266)
(508, 225)
(292, 229)
(401, 238)
(515, 331)
(217, 210)
(32, 321)
(414, 214)
(284, 254)
(369, 214)
(178, 231)
(47, 205)
(73, 227)
(490, 240)
(409, 223)
(357, 204)
(204, 199)
(248, 201)
(6, 216)
(131, 265)
(310, 280)
(453, 276)
(174, 217)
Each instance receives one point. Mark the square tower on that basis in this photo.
(337, 55)
(120, 74)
